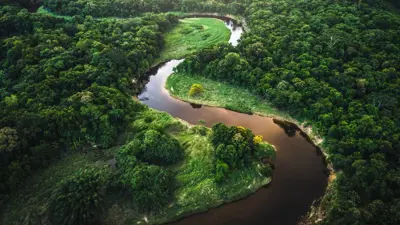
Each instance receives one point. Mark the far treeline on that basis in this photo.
(66, 84)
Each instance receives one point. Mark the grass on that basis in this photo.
(221, 95)
(197, 190)
(192, 35)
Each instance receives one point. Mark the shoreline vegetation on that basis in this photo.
(230, 97)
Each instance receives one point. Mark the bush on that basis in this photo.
(227, 154)
(266, 170)
(199, 129)
(221, 171)
(152, 187)
(77, 199)
(258, 139)
(8, 139)
(196, 89)
(151, 147)
(159, 149)
(235, 147)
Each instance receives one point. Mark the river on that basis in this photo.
(299, 177)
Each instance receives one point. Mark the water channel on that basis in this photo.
(300, 174)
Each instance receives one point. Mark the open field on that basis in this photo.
(192, 35)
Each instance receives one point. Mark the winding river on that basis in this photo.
(299, 177)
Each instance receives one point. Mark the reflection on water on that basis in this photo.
(289, 128)
(298, 177)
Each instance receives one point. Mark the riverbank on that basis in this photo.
(223, 95)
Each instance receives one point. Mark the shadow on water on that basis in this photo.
(289, 128)
(195, 106)
(300, 173)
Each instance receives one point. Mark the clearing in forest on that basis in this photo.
(192, 35)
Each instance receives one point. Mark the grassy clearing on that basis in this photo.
(197, 190)
(221, 95)
(192, 35)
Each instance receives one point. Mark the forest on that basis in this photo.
(66, 85)
(337, 66)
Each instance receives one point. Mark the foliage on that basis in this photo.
(333, 63)
(66, 83)
(77, 199)
(129, 8)
(221, 171)
(156, 148)
(196, 89)
(234, 147)
(151, 187)
(336, 65)
(257, 139)
(8, 139)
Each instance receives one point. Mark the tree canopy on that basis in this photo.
(337, 65)
(66, 82)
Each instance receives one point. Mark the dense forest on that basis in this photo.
(65, 85)
(336, 65)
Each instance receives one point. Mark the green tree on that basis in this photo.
(151, 187)
(77, 200)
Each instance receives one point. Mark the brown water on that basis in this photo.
(298, 178)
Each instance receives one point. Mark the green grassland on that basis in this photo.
(192, 35)
(221, 95)
(197, 189)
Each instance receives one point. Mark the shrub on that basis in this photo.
(196, 89)
(151, 147)
(8, 139)
(199, 129)
(258, 139)
(159, 149)
(235, 147)
(152, 187)
(227, 154)
(77, 199)
(221, 171)
(266, 170)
